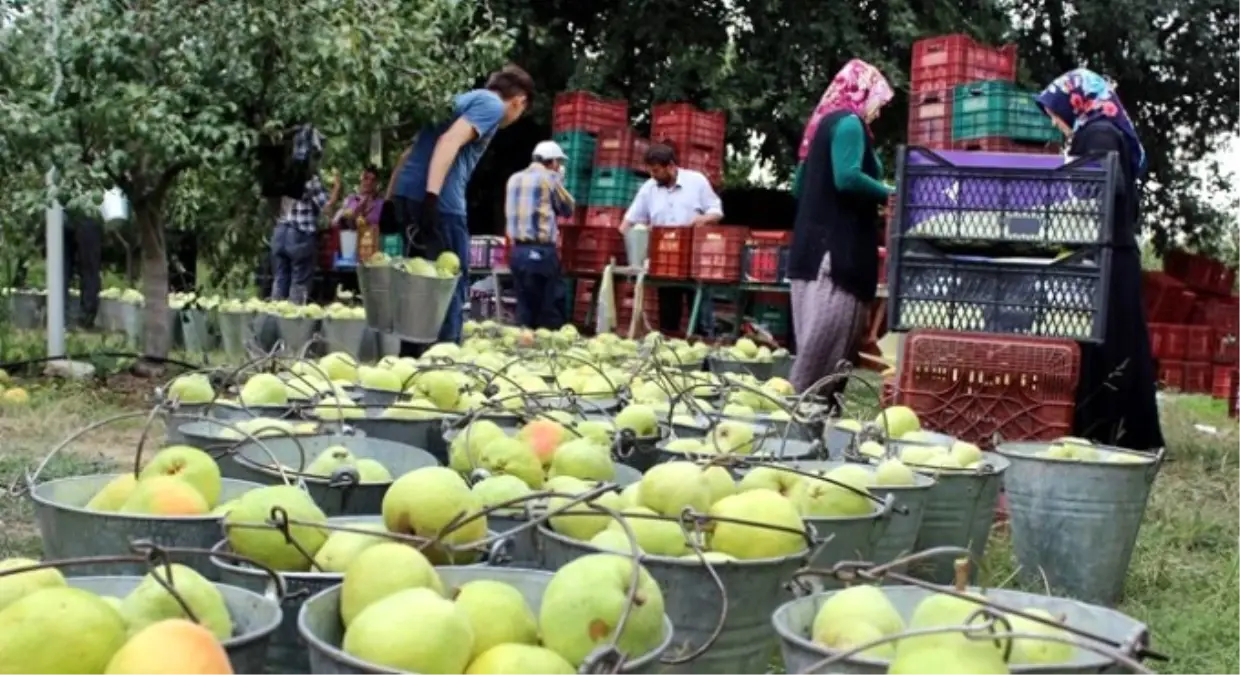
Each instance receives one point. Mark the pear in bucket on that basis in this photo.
(425, 501)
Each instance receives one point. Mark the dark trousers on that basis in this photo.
(84, 256)
(293, 259)
(539, 284)
(672, 302)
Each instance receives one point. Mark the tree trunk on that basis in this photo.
(156, 333)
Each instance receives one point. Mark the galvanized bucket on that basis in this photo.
(379, 398)
(960, 508)
(297, 332)
(216, 437)
(255, 617)
(235, 333)
(236, 412)
(69, 530)
(110, 315)
(426, 434)
(349, 336)
(320, 625)
(196, 330)
(176, 417)
(794, 621)
(900, 537)
(375, 283)
(694, 603)
(1074, 524)
(131, 322)
(388, 344)
(762, 422)
(265, 328)
(763, 371)
(636, 246)
(27, 310)
(764, 447)
(340, 496)
(839, 442)
(419, 305)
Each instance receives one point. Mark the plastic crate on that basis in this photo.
(1226, 348)
(1222, 313)
(590, 249)
(614, 187)
(992, 296)
(1007, 145)
(579, 148)
(717, 252)
(576, 220)
(976, 386)
(707, 162)
(578, 185)
(1199, 343)
(393, 245)
(1224, 382)
(603, 216)
(1167, 300)
(328, 247)
(930, 119)
(1171, 374)
(671, 252)
(1200, 272)
(998, 108)
(689, 126)
(1023, 201)
(1197, 377)
(583, 111)
(946, 61)
(1172, 341)
(622, 148)
(762, 261)
(487, 252)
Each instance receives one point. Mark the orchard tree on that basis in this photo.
(152, 89)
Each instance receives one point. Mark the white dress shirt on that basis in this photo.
(675, 205)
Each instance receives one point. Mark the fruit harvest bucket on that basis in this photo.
(767, 447)
(909, 507)
(196, 330)
(177, 415)
(110, 315)
(235, 333)
(235, 411)
(339, 494)
(214, 437)
(27, 310)
(780, 367)
(348, 336)
(375, 283)
(722, 612)
(960, 509)
(419, 305)
(266, 330)
(320, 625)
(1106, 638)
(286, 652)
(1076, 522)
(297, 333)
(426, 434)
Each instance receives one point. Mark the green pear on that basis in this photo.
(1031, 651)
(686, 446)
(465, 451)
(498, 614)
(825, 499)
(414, 630)
(600, 432)
(114, 494)
(16, 586)
(771, 478)
(750, 542)
(331, 459)
(371, 471)
(669, 487)
(966, 453)
(150, 602)
(629, 496)
(263, 389)
(190, 465)
(846, 636)
(894, 473)
(379, 379)
(640, 419)
(343, 546)
(267, 545)
(59, 630)
(896, 421)
(583, 603)
(614, 540)
(730, 436)
(513, 457)
(499, 489)
(655, 536)
(518, 659)
(862, 603)
(583, 458)
(423, 502)
(191, 388)
(712, 557)
(948, 660)
(381, 570)
(579, 521)
(720, 482)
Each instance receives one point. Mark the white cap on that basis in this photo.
(548, 150)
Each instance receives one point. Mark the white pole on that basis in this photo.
(56, 282)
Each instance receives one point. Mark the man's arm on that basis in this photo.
(561, 201)
(639, 210)
(446, 149)
(400, 165)
(709, 203)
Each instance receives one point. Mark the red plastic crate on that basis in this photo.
(689, 126)
(1222, 313)
(1171, 374)
(763, 256)
(1200, 272)
(707, 162)
(1175, 342)
(590, 249)
(946, 61)
(1197, 377)
(975, 386)
(487, 252)
(1226, 347)
(621, 148)
(583, 111)
(329, 246)
(1199, 343)
(1001, 144)
(930, 119)
(1224, 382)
(671, 252)
(1167, 300)
(717, 252)
(1158, 339)
(603, 216)
(576, 220)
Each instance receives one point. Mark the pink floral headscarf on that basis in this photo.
(857, 88)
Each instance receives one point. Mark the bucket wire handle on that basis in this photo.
(252, 437)
(162, 555)
(690, 536)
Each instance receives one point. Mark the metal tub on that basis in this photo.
(235, 333)
(349, 336)
(960, 508)
(321, 628)
(297, 332)
(763, 371)
(766, 448)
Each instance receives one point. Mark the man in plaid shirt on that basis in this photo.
(536, 196)
(294, 243)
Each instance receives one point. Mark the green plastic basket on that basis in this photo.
(393, 245)
(578, 185)
(998, 109)
(578, 147)
(614, 187)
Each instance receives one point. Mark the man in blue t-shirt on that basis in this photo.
(427, 188)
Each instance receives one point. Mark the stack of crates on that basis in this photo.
(696, 135)
(619, 168)
(1192, 309)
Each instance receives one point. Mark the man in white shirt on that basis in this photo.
(674, 197)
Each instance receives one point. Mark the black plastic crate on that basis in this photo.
(1066, 298)
(1004, 202)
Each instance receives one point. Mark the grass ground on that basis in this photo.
(1183, 582)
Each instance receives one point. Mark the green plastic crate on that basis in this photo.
(578, 185)
(615, 187)
(998, 109)
(773, 317)
(578, 147)
(393, 245)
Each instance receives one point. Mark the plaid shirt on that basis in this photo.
(535, 197)
(303, 213)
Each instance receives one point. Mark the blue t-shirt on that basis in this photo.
(482, 108)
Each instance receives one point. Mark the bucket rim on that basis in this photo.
(922, 481)
(1095, 661)
(315, 642)
(409, 450)
(48, 502)
(191, 429)
(544, 529)
(1008, 451)
(232, 642)
(998, 466)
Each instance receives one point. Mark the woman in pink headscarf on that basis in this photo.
(833, 266)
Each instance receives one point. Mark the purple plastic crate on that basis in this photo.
(1004, 197)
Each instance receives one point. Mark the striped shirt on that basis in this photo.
(535, 197)
(303, 213)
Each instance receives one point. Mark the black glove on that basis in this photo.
(428, 220)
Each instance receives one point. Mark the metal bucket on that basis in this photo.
(213, 438)
(255, 617)
(110, 315)
(388, 344)
(900, 537)
(68, 530)
(266, 330)
(425, 434)
(839, 441)
(762, 370)
(754, 589)
(251, 461)
(230, 413)
(131, 322)
(794, 621)
(375, 283)
(636, 246)
(184, 413)
(297, 332)
(348, 336)
(419, 305)
(960, 508)
(1075, 523)
(196, 330)
(235, 333)
(320, 625)
(767, 447)
(27, 311)
(175, 336)
(379, 397)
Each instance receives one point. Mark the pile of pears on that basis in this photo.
(179, 480)
(446, 266)
(144, 632)
(398, 613)
(1070, 449)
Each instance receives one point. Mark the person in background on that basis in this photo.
(427, 186)
(833, 264)
(674, 197)
(1115, 399)
(536, 196)
(294, 243)
(365, 205)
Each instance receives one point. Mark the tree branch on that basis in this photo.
(165, 180)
